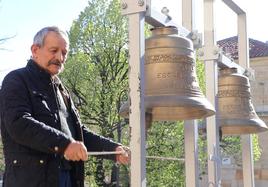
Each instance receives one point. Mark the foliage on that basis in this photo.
(96, 72)
(165, 140)
(200, 72)
(2, 162)
(256, 147)
(231, 146)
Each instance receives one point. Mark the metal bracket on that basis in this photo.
(196, 38)
(209, 53)
(132, 6)
(227, 62)
(157, 19)
(250, 73)
(215, 53)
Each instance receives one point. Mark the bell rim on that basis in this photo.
(251, 126)
(186, 108)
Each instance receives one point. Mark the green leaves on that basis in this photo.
(165, 139)
(96, 70)
(98, 50)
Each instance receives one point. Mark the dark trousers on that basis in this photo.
(65, 179)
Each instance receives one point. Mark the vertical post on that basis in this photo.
(190, 126)
(247, 158)
(135, 10)
(243, 50)
(119, 137)
(211, 71)
(191, 153)
(246, 140)
(136, 93)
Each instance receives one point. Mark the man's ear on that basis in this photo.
(34, 49)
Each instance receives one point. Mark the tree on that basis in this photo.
(96, 70)
(3, 40)
(165, 146)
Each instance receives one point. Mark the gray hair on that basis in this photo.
(40, 36)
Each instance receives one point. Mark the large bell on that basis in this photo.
(171, 88)
(236, 113)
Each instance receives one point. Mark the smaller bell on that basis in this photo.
(236, 114)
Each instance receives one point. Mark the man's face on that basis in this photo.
(52, 55)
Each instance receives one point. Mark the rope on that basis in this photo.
(105, 153)
(121, 152)
(165, 158)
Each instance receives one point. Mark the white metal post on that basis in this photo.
(136, 93)
(190, 126)
(191, 153)
(246, 140)
(211, 90)
(247, 158)
(136, 14)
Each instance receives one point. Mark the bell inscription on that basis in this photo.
(167, 58)
(236, 113)
(233, 93)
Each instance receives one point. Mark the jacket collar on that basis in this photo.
(38, 72)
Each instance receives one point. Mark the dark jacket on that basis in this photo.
(31, 134)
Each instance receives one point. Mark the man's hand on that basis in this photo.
(76, 151)
(124, 157)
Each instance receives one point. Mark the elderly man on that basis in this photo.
(44, 141)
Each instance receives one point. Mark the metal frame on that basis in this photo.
(139, 12)
(211, 54)
(243, 56)
(210, 57)
(190, 126)
(136, 13)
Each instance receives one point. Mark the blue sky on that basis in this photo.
(23, 18)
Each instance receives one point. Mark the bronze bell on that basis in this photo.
(171, 88)
(236, 113)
